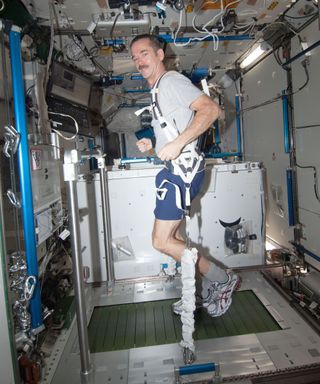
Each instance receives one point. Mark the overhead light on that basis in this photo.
(255, 54)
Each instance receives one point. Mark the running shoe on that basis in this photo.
(220, 295)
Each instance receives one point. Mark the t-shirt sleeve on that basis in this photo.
(178, 90)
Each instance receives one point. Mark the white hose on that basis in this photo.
(188, 262)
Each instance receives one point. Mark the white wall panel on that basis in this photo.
(307, 141)
(306, 102)
(263, 141)
(307, 123)
(310, 225)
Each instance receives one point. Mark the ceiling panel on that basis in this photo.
(95, 22)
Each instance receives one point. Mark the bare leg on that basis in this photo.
(164, 239)
(167, 239)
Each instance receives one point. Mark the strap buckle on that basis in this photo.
(12, 140)
(13, 198)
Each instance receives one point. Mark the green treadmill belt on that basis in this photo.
(127, 326)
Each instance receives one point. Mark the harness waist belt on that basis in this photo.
(177, 168)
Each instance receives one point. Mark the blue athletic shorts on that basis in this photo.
(167, 209)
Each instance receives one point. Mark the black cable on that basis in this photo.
(304, 63)
(149, 13)
(77, 40)
(308, 126)
(315, 178)
(29, 89)
(113, 25)
(276, 51)
(109, 118)
(98, 65)
(301, 17)
(270, 101)
(276, 56)
(121, 47)
(87, 54)
(94, 51)
(262, 104)
(52, 248)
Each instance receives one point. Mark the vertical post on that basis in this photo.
(25, 175)
(217, 138)
(290, 149)
(285, 123)
(70, 177)
(238, 125)
(106, 220)
(291, 211)
(123, 150)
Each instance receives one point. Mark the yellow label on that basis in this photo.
(208, 4)
(273, 5)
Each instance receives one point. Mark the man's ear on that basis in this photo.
(160, 53)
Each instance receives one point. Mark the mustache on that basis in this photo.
(142, 67)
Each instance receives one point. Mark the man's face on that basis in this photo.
(146, 60)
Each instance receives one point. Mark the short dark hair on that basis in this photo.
(154, 41)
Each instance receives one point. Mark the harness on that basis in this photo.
(187, 164)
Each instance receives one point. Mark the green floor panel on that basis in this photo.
(150, 320)
(127, 326)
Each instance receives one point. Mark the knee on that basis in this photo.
(159, 243)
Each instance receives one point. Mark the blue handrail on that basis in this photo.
(25, 174)
(285, 122)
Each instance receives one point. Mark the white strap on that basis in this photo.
(188, 198)
(177, 191)
(139, 111)
(205, 87)
(161, 193)
(169, 131)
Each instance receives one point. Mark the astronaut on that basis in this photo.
(181, 113)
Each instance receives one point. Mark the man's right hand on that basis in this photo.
(144, 144)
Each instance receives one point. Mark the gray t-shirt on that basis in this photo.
(175, 95)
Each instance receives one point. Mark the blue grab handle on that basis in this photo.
(286, 134)
(196, 368)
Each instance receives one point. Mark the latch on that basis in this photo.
(12, 140)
